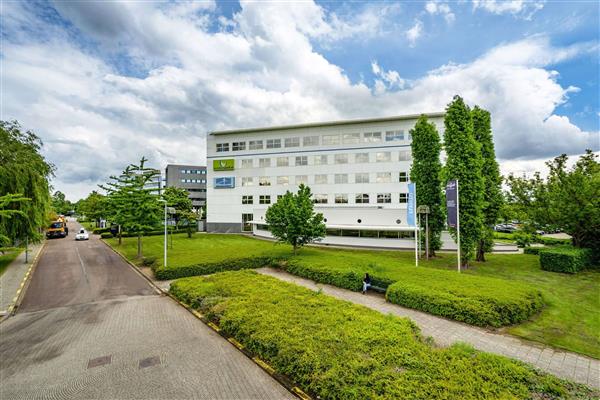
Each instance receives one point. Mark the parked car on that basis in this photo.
(82, 235)
(505, 228)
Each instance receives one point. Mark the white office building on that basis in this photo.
(357, 170)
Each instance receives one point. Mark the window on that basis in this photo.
(403, 177)
(362, 198)
(392, 136)
(341, 178)
(403, 197)
(238, 146)
(321, 179)
(362, 177)
(340, 159)
(248, 181)
(383, 177)
(372, 137)
(246, 225)
(255, 144)
(247, 199)
(320, 199)
(301, 160)
(405, 155)
(273, 143)
(283, 161)
(301, 179)
(247, 163)
(283, 180)
(264, 181)
(351, 138)
(264, 162)
(383, 198)
(310, 141)
(341, 198)
(321, 160)
(292, 142)
(331, 139)
(221, 147)
(383, 156)
(361, 158)
(264, 199)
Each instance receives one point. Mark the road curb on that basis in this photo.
(282, 379)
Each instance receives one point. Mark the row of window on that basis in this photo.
(323, 179)
(341, 198)
(298, 161)
(359, 233)
(187, 180)
(308, 141)
(193, 171)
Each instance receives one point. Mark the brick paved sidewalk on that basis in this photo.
(11, 279)
(564, 364)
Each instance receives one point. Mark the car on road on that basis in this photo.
(505, 228)
(82, 235)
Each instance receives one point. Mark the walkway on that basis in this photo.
(563, 364)
(13, 277)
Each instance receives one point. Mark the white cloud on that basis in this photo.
(414, 33)
(386, 80)
(434, 7)
(522, 8)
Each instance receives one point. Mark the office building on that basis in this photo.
(189, 177)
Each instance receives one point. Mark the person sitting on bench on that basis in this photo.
(366, 283)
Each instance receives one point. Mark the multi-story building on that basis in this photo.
(189, 177)
(357, 170)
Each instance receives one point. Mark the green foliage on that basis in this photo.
(60, 204)
(293, 220)
(149, 261)
(334, 349)
(94, 207)
(426, 174)
(106, 235)
(564, 259)
(464, 164)
(522, 239)
(99, 231)
(178, 198)
(206, 268)
(6, 214)
(532, 250)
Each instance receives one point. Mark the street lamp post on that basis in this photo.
(165, 248)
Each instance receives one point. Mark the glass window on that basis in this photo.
(273, 143)
(255, 144)
(247, 199)
(321, 179)
(341, 198)
(361, 158)
(301, 179)
(351, 138)
(384, 198)
(310, 141)
(341, 178)
(221, 147)
(264, 181)
(238, 146)
(383, 156)
(331, 139)
(403, 197)
(320, 199)
(248, 163)
(283, 180)
(362, 198)
(362, 177)
(403, 177)
(321, 160)
(405, 155)
(264, 162)
(248, 181)
(372, 137)
(264, 199)
(393, 136)
(283, 161)
(383, 177)
(301, 160)
(292, 142)
(340, 159)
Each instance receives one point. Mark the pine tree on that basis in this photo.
(492, 180)
(464, 163)
(425, 173)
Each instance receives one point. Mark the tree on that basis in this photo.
(425, 173)
(60, 204)
(132, 204)
(293, 220)
(178, 198)
(6, 214)
(94, 207)
(492, 180)
(464, 163)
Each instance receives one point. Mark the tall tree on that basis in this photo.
(293, 220)
(7, 214)
(492, 180)
(94, 207)
(464, 163)
(60, 204)
(179, 199)
(426, 174)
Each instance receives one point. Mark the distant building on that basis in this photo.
(189, 177)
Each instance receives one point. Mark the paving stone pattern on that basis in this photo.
(563, 364)
(11, 279)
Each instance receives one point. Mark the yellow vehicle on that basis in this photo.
(58, 228)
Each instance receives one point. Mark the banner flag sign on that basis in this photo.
(224, 182)
(412, 205)
(224, 165)
(451, 203)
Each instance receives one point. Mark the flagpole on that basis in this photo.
(457, 226)
(416, 225)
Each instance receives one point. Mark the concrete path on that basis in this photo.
(13, 277)
(564, 364)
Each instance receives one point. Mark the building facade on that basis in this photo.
(358, 172)
(190, 177)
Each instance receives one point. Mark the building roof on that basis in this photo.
(329, 123)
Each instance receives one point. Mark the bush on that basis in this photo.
(522, 239)
(548, 241)
(99, 231)
(151, 233)
(503, 235)
(565, 259)
(532, 250)
(210, 268)
(148, 261)
(334, 349)
(106, 235)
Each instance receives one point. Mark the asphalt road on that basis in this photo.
(90, 327)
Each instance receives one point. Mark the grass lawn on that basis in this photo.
(88, 225)
(7, 258)
(570, 319)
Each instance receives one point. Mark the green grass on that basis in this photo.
(7, 258)
(88, 225)
(335, 349)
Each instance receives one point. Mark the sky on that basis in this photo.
(104, 83)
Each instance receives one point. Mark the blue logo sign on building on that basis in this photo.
(224, 182)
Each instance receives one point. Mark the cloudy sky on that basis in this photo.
(105, 82)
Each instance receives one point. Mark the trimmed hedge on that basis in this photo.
(532, 250)
(99, 231)
(334, 349)
(149, 233)
(106, 235)
(210, 268)
(548, 241)
(565, 259)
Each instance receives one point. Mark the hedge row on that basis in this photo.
(532, 250)
(99, 231)
(565, 259)
(210, 268)
(149, 233)
(548, 241)
(334, 349)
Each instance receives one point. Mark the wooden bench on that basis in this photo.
(377, 289)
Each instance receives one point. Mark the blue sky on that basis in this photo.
(118, 80)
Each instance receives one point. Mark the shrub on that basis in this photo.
(532, 250)
(99, 231)
(548, 241)
(210, 268)
(565, 259)
(503, 235)
(106, 235)
(148, 261)
(522, 239)
(334, 349)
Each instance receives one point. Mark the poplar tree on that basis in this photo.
(492, 180)
(464, 164)
(425, 173)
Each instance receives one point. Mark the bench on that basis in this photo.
(377, 289)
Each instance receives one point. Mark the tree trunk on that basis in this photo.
(120, 237)
(139, 252)
(189, 232)
(480, 251)
(295, 247)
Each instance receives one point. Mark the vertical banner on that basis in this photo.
(451, 203)
(412, 205)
